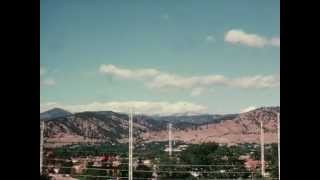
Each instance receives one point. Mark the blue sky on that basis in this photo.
(217, 56)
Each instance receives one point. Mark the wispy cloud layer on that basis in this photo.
(141, 107)
(197, 91)
(156, 79)
(210, 39)
(42, 71)
(45, 81)
(165, 16)
(237, 36)
(247, 109)
(129, 73)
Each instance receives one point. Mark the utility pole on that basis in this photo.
(130, 145)
(41, 145)
(170, 139)
(154, 172)
(278, 118)
(262, 149)
(84, 130)
(87, 132)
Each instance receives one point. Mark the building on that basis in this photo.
(177, 149)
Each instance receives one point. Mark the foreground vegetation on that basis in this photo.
(208, 160)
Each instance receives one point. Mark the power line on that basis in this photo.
(166, 178)
(205, 172)
(68, 160)
(159, 171)
(77, 142)
(197, 165)
(110, 177)
(160, 165)
(163, 178)
(98, 176)
(101, 152)
(91, 168)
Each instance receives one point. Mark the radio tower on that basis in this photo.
(278, 118)
(262, 148)
(41, 145)
(170, 139)
(130, 145)
(86, 129)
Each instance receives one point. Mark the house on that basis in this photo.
(56, 170)
(79, 168)
(98, 161)
(79, 165)
(60, 177)
(244, 157)
(147, 163)
(251, 164)
(178, 149)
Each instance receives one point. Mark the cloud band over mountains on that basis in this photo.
(237, 36)
(156, 79)
(140, 107)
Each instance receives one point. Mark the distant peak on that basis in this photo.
(54, 113)
(57, 109)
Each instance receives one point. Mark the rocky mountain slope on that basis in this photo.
(103, 126)
(108, 126)
(244, 128)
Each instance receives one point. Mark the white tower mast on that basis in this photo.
(85, 130)
(41, 145)
(262, 148)
(278, 118)
(170, 139)
(130, 145)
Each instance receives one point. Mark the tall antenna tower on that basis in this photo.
(130, 145)
(85, 126)
(278, 118)
(170, 139)
(262, 148)
(154, 172)
(41, 145)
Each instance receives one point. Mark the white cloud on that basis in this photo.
(256, 81)
(42, 70)
(127, 73)
(47, 106)
(165, 16)
(44, 81)
(197, 91)
(48, 82)
(210, 38)
(155, 79)
(174, 81)
(275, 41)
(140, 107)
(237, 36)
(250, 108)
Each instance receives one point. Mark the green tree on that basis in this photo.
(272, 159)
(45, 177)
(224, 161)
(142, 171)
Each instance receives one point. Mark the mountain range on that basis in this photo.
(64, 127)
